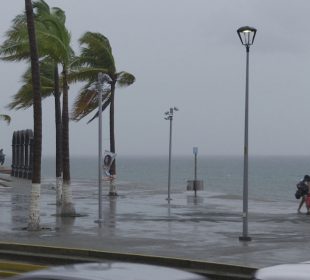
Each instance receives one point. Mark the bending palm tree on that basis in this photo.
(96, 56)
(58, 48)
(34, 214)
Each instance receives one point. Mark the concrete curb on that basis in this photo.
(218, 270)
(8, 269)
(20, 267)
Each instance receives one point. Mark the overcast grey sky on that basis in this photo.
(186, 53)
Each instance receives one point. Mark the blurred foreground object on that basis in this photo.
(110, 271)
(298, 271)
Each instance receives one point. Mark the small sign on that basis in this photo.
(195, 150)
(107, 162)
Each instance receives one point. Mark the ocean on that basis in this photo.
(271, 178)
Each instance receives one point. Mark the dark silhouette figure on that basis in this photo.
(303, 188)
(2, 157)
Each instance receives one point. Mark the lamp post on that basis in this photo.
(195, 152)
(102, 80)
(247, 36)
(169, 116)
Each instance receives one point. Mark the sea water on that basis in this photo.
(271, 178)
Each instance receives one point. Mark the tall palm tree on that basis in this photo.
(34, 212)
(54, 42)
(59, 49)
(96, 56)
(53, 21)
(62, 53)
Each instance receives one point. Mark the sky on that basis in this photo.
(185, 53)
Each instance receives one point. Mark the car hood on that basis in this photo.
(300, 271)
(113, 271)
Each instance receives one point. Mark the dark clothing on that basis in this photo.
(303, 188)
(2, 157)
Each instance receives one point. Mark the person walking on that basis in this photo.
(2, 157)
(303, 187)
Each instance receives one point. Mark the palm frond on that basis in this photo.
(85, 74)
(105, 104)
(125, 79)
(41, 7)
(15, 49)
(23, 99)
(96, 51)
(5, 118)
(86, 102)
(60, 14)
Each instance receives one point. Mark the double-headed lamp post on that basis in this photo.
(247, 36)
(169, 116)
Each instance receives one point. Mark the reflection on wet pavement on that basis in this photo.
(205, 227)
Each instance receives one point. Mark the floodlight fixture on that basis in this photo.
(169, 117)
(104, 78)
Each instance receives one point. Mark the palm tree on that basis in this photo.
(62, 53)
(53, 20)
(96, 56)
(54, 42)
(34, 212)
(5, 118)
(58, 48)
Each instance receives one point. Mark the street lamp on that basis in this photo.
(169, 116)
(103, 80)
(247, 36)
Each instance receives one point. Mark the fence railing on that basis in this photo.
(22, 154)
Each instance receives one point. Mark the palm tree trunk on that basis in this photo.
(34, 211)
(112, 133)
(67, 202)
(58, 123)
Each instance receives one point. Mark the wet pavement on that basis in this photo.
(140, 220)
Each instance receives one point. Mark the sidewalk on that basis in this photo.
(140, 221)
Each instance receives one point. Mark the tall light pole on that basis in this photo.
(195, 151)
(169, 116)
(102, 80)
(247, 36)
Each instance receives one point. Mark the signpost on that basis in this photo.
(195, 185)
(195, 152)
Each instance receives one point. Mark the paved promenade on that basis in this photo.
(141, 221)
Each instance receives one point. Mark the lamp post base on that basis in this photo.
(245, 238)
(99, 221)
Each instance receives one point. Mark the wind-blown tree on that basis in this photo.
(53, 42)
(34, 211)
(5, 118)
(96, 56)
(58, 48)
(53, 22)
